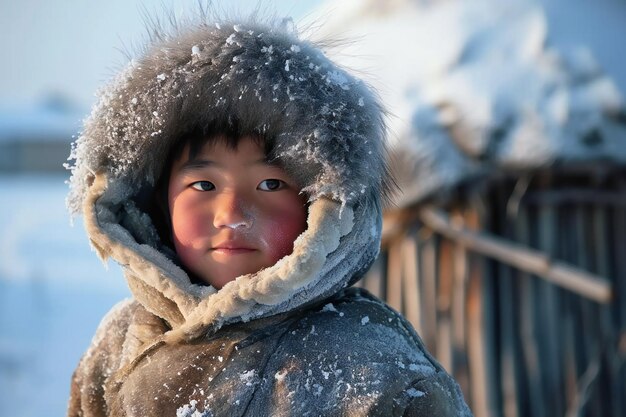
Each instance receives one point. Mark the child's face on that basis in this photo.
(231, 212)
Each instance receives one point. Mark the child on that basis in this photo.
(236, 174)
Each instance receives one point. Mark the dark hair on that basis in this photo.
(228, 133)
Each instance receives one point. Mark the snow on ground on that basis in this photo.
(53, 293)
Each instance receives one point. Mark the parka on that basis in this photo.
(294, 339)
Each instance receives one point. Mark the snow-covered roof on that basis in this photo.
(50, 121)
(478, 87)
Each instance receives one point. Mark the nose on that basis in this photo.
(231, 212)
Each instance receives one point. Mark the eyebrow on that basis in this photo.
(197, 164)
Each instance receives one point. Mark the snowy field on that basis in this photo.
(53, 293)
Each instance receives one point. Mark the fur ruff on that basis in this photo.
(327, 125)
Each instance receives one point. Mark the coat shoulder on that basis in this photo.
(119, 333)
(354, 355)
(356, 321)
(418, 384)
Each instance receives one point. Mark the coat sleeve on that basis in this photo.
(102, 358)
(437, 395)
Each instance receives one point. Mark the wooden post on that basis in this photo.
(479, 339)
(528, 324)
(588, 333)
(444, 301)
(411, 291)
(506, 316)
(608, 335)
(458, 309)
(394, 274)
(619, 251)
(568, 251)
(374, 278)
(428, 243)
(550, 340)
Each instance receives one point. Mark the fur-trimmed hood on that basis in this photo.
(329, 135)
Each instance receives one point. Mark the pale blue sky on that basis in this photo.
(72, 46)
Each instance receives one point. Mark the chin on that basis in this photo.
(220, 282)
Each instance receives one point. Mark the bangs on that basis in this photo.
(228, 134)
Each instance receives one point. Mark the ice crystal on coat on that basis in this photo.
(330, 307)
(190, 410)
(413, 393)
(248, 377)
(279, 376)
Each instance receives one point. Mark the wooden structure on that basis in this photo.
(507, 247)
(518, 286)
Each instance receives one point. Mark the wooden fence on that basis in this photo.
(519, 289)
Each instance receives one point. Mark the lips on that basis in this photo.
(231, 251)
(232, 248)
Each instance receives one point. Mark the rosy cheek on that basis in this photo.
(184, 231)
(187, 224)
(281, 232)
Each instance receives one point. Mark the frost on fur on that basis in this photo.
(327, 125)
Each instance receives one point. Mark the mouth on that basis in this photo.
(231, 251)
(232, 248)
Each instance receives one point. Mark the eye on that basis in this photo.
(271, 185)
(203, 186)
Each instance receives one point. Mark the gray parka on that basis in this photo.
(291, 339)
